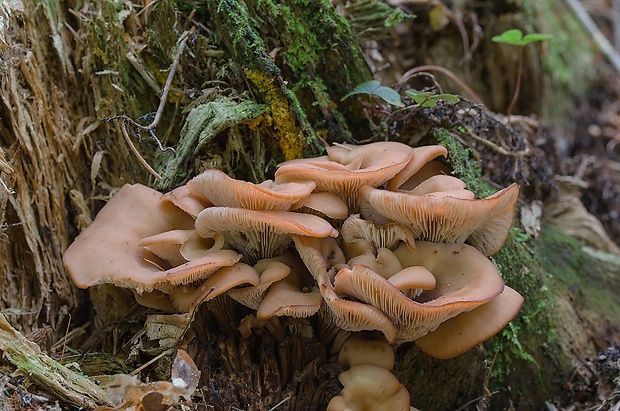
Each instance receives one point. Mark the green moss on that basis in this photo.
(529, 329)
(563, 259)
(463, 167)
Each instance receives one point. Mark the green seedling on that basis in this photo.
(429, 98)
(374, 88)
(516, 38)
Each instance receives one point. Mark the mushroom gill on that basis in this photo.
(260, 234)
(482, 223)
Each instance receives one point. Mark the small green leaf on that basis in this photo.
(429, 99)
(450, 98)
(516, 38)
(390, 96)
(374, 88)
(419, 96)
(530, 38)
(512, 36)
(368, 87)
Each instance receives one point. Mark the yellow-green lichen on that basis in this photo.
(284, 121)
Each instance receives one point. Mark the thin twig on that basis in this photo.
(151, 361)
(64, 344)
(499, 149)
(280, 403)
(135, 151)
(126, 121)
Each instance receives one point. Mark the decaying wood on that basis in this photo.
(55, 378)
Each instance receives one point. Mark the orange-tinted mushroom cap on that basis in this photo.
(270, 270)
(347, 168)
(421, 156)
(466, 330)
(359, 350)
(369, 387)
(108, 252)
(260, 234)
(323, 204)
(191, 203)
(186, 298)
(224, 191)
(293, 296)
(320, 257)
(482, 223)
(464, 277)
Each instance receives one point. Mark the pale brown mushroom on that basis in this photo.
(224, 191)
(321, 256)
(464, 277)
(348, 167)
(441, 185)
(421, 156)
(293, 296)
(270, 270)
(191, 203)
(260, 234)
(369, 387)
(363, 350)
(385, 263)
(482, 223)
(185, 298)
(468, 329)
(108, 252)
(413, 280)
(179, 246)
(324, 205)
(428, 170)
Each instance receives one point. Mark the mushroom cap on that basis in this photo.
(468, 329)
(464, 277)
(482, 223)
(270, 270)
(368, 387)
(197, 269)
(291, 296)
(108, 252)
(224, 191)
(320, 257)
(421, 156)
(154, 299)
(386, 263)
(443, 184)
(186, 298)
(347, 168)
(416, 277)
(359, 350)
(323, 204)
(167, 245)
(432, 168)
(260, 234)
(191, 203)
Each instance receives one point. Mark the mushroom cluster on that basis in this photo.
(370, 237)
